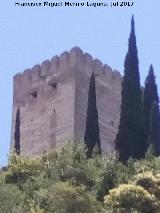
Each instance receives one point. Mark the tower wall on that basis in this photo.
(53, 100)
(108, 95)
(45, 95)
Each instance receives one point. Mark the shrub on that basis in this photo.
(129, 198)
(150, 182)
(65, 181)
(114, 174)
(11, 199)
(66, 198)
(21, 168)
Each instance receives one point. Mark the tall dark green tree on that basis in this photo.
(151, 110)
(17, 132)
(154, 131)
(91, 137)
(130, 138)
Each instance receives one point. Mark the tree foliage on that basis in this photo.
(154, 132)
(17, 132)
(151, 113)
(130, 138)
(91, 137)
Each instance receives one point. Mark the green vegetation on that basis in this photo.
(130, 138)
(151, 113)
(65, 181)
(130, 198)
(91, 137)
(154, 133)
(17, 132)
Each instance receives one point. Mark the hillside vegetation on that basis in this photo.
(65, 181)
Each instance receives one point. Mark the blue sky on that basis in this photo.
(31, 35)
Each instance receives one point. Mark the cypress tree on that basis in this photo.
(130, 138)
(154, 132)
(91, 137)
(17, 132)
(151, 109)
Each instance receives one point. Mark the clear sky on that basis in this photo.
(31, 35)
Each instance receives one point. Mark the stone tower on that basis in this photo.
(53, 100)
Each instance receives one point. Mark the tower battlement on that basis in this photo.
(53, 99)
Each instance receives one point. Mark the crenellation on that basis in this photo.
(114, 76)
(64, 58)
(117, 74)
(53, 100)
(55, 60)
(107, 70)
(16, 81)
(88, 58)
(25, 80)
(76, 50)
(64, 65)
(116, 82)
(36, 70)
(26, 71)
(76, 57)
(44, 68)
(88, 63)
(97, 66)
(106, 75)
(54, 66)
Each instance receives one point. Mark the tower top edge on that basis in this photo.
(75, 52)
